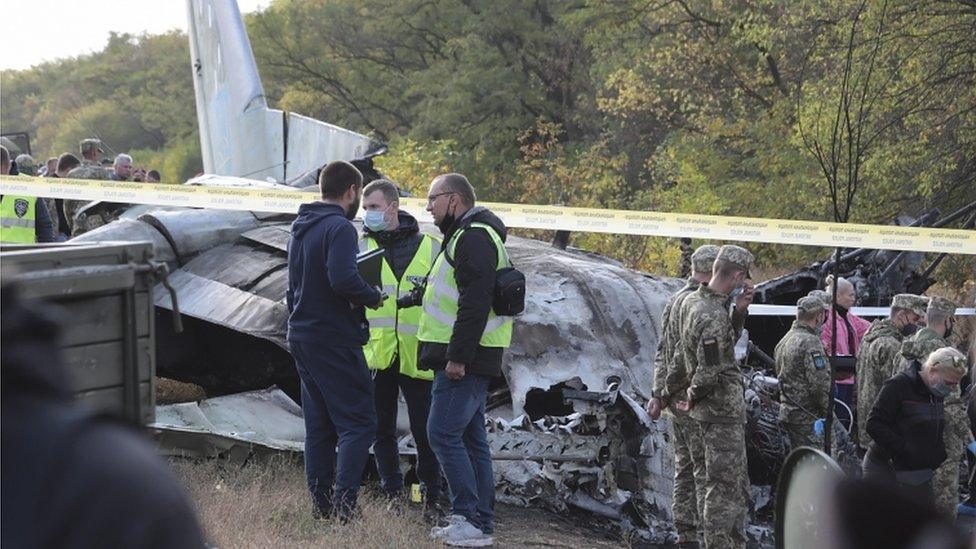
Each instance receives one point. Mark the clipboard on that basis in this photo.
(370, 265)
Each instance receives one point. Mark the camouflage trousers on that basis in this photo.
(801, 434)
(945, 484)
(725, 485)
(689, 465)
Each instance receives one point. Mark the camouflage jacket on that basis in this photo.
(804, 376)
(707, 354)
(877, 360)
(919, 347)
(88, 170)
(669, 338)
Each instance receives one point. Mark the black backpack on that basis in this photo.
(509, 296)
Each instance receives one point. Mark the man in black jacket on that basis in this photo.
(326, 331)
(907, 421)
(391, 353)
(463, 341)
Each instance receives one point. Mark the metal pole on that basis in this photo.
(829, 420)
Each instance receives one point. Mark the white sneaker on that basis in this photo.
(437, 532)
(465, 534)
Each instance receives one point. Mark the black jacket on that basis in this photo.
(907, 422)
(326, 293)
(475, 265)
(400, 244)
(70, 479)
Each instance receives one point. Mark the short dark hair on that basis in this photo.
(457, 183)
(67, 161)
(4, 156)
(336, 178)
(385, 186)
(154, 174)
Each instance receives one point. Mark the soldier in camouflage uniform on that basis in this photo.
(715, 395)
(877, 357)
(940, 320)
(804, 374)
(686, 505)
(89, 169)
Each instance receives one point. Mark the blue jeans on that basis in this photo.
(456, 429)
(337, 402)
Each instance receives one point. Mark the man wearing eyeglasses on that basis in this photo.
(463, 341)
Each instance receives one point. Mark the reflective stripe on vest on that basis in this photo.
(17, 215)
(441, 299)
(392, 331)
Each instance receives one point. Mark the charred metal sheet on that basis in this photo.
(193, 231)
(130, 230)
(605, 457)
(228, 306)
(273, 236)
(583, 318)
(231, 426)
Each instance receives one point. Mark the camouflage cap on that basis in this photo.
(736, 255)
(911, 302)
(821, 295)
(89, 145)
(936, 303)
(704, 257)
(811, 304)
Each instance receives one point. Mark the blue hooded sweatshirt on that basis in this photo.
(326, 294)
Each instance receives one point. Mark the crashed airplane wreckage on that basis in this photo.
(567, 423)
(566, 426)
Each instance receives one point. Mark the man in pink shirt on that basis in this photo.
(850, 329)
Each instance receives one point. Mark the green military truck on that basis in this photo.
(103, 295)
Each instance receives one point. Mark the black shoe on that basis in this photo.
(434, 514)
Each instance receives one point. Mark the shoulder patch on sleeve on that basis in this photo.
(819, 361)
(711, 351)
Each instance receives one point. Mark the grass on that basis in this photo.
(266, 504)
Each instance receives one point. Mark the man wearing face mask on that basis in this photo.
(327, 329)
(940, 319)
(877, 359)
(463, 341)
(907, 421)
(715, 396)
(392, 349)
(804, 375)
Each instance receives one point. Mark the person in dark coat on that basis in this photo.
(327, 329)
(907, 421)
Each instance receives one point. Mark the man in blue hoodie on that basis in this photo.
(327, 329)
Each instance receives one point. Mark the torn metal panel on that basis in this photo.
(231, 426)
(583, 318)
(604, 457)
(228, 306)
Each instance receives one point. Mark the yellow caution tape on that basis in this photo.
(708, 227)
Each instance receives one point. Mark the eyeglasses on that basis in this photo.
(433, 198)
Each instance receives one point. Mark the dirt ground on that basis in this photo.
(266, 505)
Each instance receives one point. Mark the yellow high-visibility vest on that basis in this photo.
(393, 331)
(441, 299)
(17, 217)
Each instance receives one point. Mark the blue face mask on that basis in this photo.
(375, 220)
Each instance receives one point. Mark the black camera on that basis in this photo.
(415, 296)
